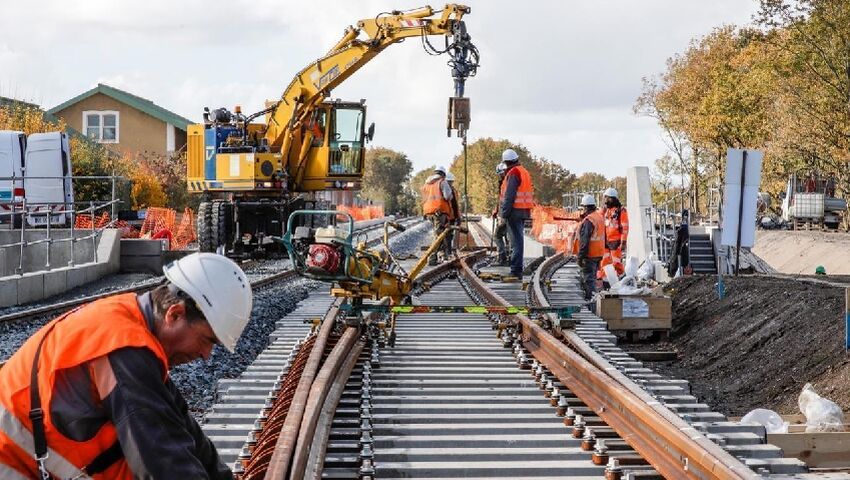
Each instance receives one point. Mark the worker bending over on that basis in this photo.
(437, 207)
(455, 216)
(589, 246)
(616, 232)
(516, 199)
(500, 233)
(89, 396)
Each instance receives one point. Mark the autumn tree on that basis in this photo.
(384, 177)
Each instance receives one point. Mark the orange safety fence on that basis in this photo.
(554, 226)
(83, 221)
(161, 223)
(368, 212)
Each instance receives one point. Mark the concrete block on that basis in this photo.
(55, 282)
(137, 246)
(92, 271)
(142, 264)
(8, 291)
(30, 288)
(76, 276)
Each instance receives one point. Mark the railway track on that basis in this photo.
(456, 399)
(258, 279)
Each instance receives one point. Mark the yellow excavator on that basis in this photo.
(252, 174)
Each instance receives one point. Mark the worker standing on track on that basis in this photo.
(516, 200)
(616, 232)
(500, 234)
(103, 402)
(589, 245)
(456, 215)
(437, 207)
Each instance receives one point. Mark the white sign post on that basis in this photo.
(743, 176)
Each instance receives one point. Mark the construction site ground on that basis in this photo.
(796, 252)
(761, 343)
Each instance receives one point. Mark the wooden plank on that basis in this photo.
(639, 324)
(817, 450)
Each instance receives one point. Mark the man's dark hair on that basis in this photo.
(615, 202)
(164, 296)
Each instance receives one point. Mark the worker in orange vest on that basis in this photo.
(89, 395)
(437, 206)
(455, 217)
(616, 232)
(589, 246)
(500, 233)
(516, 199)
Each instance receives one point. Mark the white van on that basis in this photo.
(13, 146)
(48, 155)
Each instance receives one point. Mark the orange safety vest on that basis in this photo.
(77, 337)
(525, 192)
(616, 224)
(434, 201)
(596, 249)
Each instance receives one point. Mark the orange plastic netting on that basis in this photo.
(369, 212)
(162, 223)
(84, 221)
(554, 226)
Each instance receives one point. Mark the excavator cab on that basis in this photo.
(337, 147)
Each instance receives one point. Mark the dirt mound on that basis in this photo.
(759, 345)
(801, 252)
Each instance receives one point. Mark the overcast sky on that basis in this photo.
(560, 77)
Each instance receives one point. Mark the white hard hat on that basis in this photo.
(611, 192)
(509, 155)
(587, 200)
(450, 177)
(501, 168)
(440, 169)
(219, 288)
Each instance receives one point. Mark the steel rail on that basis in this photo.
(285, 445)
(319, 447)
(317, 398)
(673, 448)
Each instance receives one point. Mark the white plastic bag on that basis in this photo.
(611, 276)
(822, 415)
(631, 267)
(771, 420)
(646, 271)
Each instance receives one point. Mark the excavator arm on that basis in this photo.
(313, 84)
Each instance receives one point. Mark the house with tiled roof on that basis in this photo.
(124, 122)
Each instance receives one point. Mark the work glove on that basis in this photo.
(580, 261)
(502, 222)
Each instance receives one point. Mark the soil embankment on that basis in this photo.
(796, 252)
(759, 345)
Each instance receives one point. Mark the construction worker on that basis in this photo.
(92, 386)
(820, 270)
(500, 233)
(589, 245)
(516, 200)
(616, 232)
(437, 207)
(456, 216)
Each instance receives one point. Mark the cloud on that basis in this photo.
(558, 76)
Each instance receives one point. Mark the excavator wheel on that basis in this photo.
(221, 220)
(205, 239)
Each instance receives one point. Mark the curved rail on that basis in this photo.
(674, 448)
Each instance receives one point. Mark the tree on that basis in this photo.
(384, 176)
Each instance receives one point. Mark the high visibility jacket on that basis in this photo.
(616, 227)
(433, 199)
(596, 247)
(78, 337)
(524, 198)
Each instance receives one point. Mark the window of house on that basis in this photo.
(101, 126)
